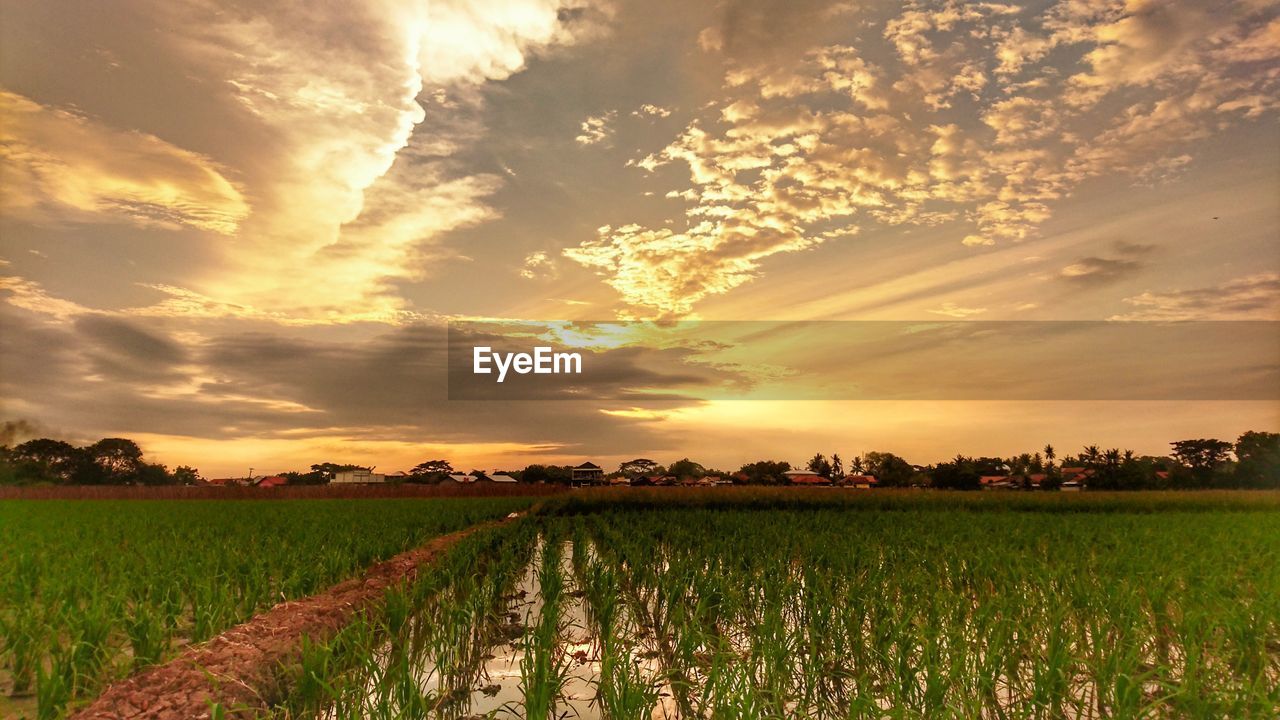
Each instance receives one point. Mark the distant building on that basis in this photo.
(859, 482)
(226, 482)
(357, 477)
(502, 478)
(588, 473)
(458, 479)
(270, 481)
(995, 482)
(805, 477)
(620, 481)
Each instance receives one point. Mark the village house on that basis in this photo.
(859, 482)
(500, 477)
(357, 477)
(656, 480)
(588, 473)
(270, 481)
(805, 477)
(995, 482)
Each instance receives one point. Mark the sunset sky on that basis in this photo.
(235, 233)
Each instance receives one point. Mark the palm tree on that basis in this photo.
(1091, 455)
(1049, 455)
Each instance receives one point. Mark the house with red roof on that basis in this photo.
(859, 482)
(805, 477)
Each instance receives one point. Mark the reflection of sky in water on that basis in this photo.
(498, 692)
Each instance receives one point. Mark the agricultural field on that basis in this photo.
(93, 590)
(647, 606)
(720, 603)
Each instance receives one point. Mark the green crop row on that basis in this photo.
(93, 590)
(831, 612)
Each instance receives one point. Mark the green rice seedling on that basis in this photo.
(543, 667)
(846, 610)
(24, 644)
(55, 684)
(147, 637)
(120, 583)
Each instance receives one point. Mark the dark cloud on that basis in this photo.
(1133, 249)
(105, 375)
(1250, 297)
(129, 340)
(771, 31)
(1099, 270)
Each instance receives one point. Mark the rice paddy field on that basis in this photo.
(698, 604)
(91, 591)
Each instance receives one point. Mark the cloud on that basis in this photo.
(651, 111)
(1253, 297)
(830, 138)
(538, 265)
(61, 166)
(1099, 270)
(320, 119)
(31, 296)
(950, 309)
(103, 375)
(596, 128)
(759, 32)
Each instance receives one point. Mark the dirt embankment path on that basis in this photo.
(241, 668)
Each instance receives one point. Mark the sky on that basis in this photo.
(237, 233)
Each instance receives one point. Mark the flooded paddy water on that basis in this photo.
(831, 615)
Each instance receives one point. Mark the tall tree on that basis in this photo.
(889, 469)
(118, 458)
(958, 474)
(638, 468)
(1258, 460)
(765, 472)
(430, 471)
(46, 460)
(1202, 456)
(819, 465)
(685, 467)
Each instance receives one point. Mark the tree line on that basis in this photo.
(109, 461)
(1252, 461)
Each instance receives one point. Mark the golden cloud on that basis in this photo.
(60, 166)
(797, 154)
